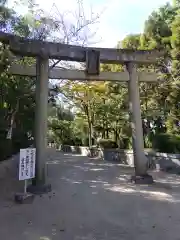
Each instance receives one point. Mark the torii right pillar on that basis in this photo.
(140, 161)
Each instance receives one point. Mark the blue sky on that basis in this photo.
(119, 18)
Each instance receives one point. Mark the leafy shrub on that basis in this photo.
(72, 142)
(77, 142)
(86, 141)
(167, 143)
(125, 143)
(10, 147)
(107, 143)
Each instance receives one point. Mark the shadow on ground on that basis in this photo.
(93, 200)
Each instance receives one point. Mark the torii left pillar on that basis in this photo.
(39, 184)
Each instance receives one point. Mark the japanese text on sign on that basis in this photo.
(27, 163)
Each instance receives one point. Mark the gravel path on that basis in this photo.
(93, 200)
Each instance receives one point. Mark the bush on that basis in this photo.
(107, 143)
(72, 142)
(68, 142)
(86, 142)
(126, 143)
(167, 143)
(10, 147)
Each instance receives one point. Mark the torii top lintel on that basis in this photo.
(34, 48)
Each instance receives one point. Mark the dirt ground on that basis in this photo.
(92, 200)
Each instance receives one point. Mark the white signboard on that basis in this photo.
(27, 163)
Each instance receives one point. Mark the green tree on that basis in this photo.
(174, 98)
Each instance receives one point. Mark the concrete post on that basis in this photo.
(42, 70)
(41, 115)
(140, 160)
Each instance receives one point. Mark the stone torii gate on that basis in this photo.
(43, 51)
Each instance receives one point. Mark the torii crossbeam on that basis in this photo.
(80, 75)
(43, 51)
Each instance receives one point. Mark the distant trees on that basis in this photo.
(80, 113)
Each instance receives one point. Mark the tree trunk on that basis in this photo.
(107, 130)
(116, 132)
(103, 129)
(13, 115)
(107, 133)
(88, 113)
(90, 132)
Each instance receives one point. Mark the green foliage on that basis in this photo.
(17, 93)
(158, 27)
(167, 143)
(107, 143)
(131, 42)
(94, 110)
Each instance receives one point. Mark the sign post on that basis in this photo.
(27, 162)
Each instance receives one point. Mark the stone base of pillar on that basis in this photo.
(24, 198)
(39, 188)
(142, 179)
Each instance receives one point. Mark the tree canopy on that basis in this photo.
(80, 113)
